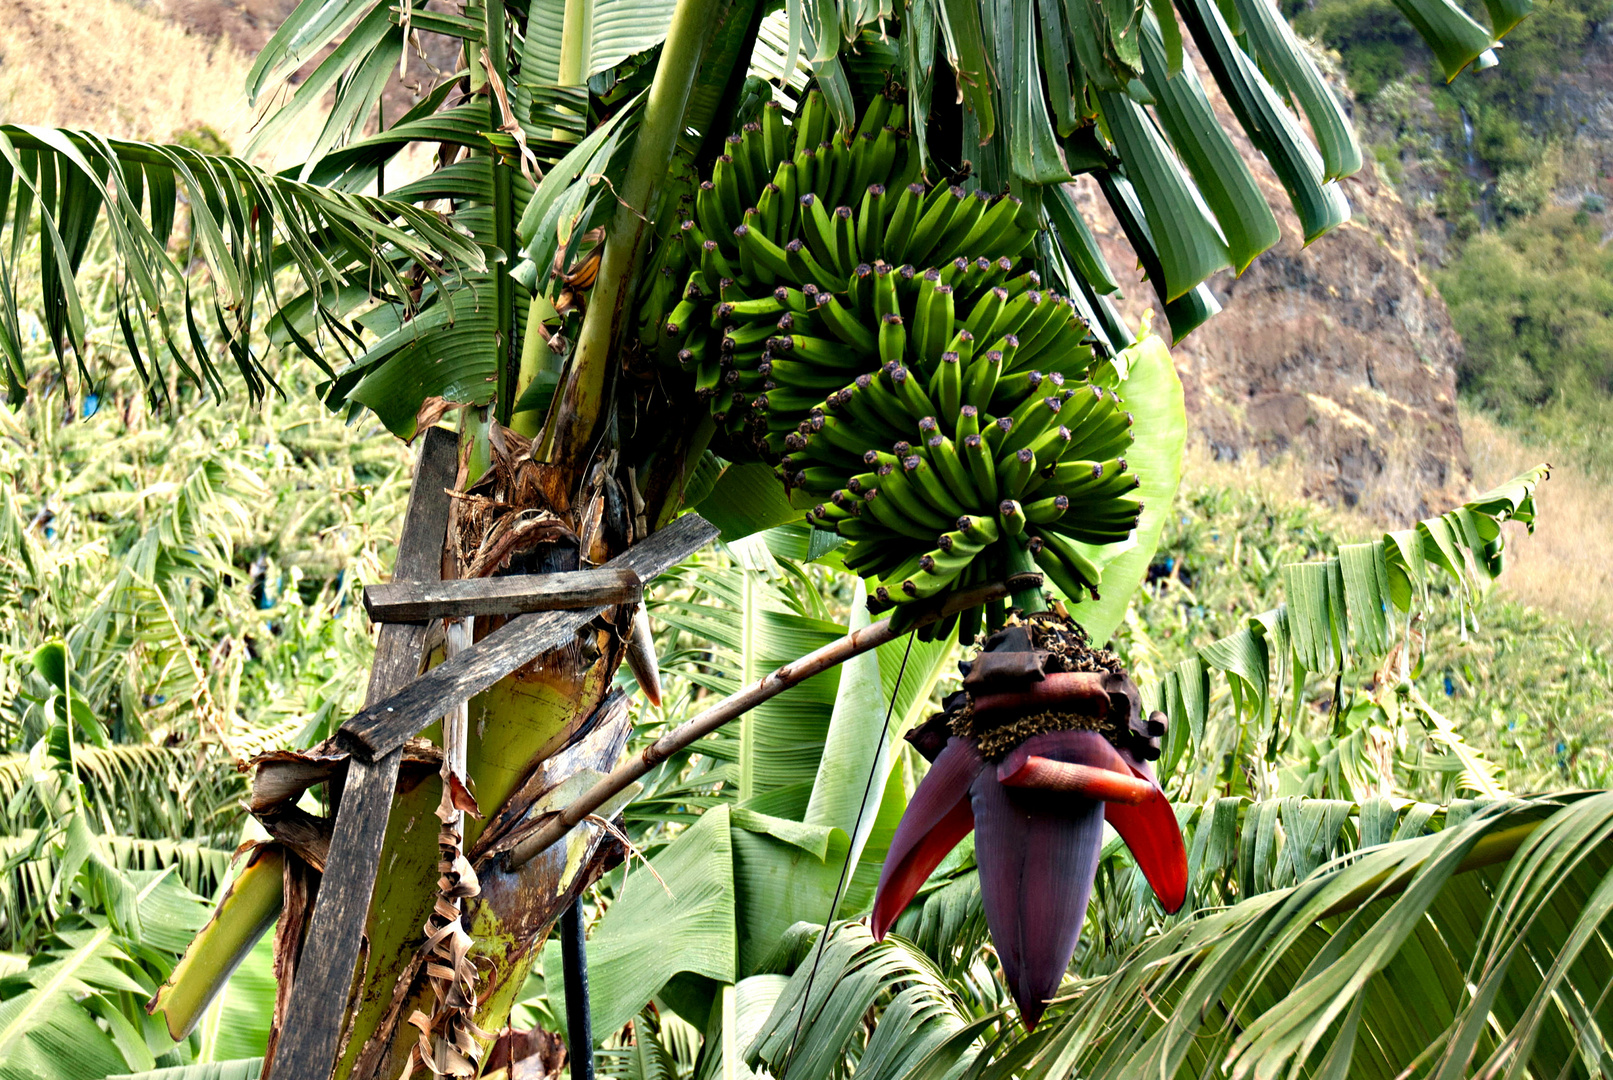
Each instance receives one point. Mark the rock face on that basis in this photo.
(1339, 356)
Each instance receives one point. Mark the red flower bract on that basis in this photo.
(1040, 816)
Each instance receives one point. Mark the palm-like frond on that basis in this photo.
(920, 1016)
(136, 789)
(245, 225)
(1477, 949)
(1359, 605)
(75, 1011)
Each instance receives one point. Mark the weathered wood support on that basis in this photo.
(307, 1046)
(400, 702)
(408, 601)
(386, 725)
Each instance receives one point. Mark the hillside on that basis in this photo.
(1338, 358)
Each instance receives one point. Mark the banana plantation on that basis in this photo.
(649, 564)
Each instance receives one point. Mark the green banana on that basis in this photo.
(1011, 517)
(980, 379)
(804, 266)
(871, 220)
(886, 300)
(1014, 471)
(775, 137)
(983, 318)
(994, 433)
(818, 231)
(1046, 511)
(957, 542)
(982, 471)
(794, 375)
(878, 504)
(1029, 281)
(709, 210)
(929, 484)
(979, 529)
(905, 496)
(892, 340)
(847, 327)
(943, 454)
(996, 217)
(946, 384)
(968, 423)
(963, 221)
(1031, 419)
(766, 258)
(866, 408)
(725, 175)
(845, 239)
(903, 219)
(810, 121)
(906, 388)
(1063, 576)
(714, 265)
(938, 212)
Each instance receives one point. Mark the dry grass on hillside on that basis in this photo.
(117, 69)
(1567, 566)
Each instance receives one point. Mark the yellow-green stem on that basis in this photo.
(535, 357)
(582, 396)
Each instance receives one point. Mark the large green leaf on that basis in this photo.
(1153, 395)
(854, 783)
(1207, 152)
(656, 931)
(722, 895)
(1189, 246)
(747, 499)
(239, 1069)
(836, 989)
(619, 29)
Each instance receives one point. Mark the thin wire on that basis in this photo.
(845, 870)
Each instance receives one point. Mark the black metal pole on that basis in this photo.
(579, 1021)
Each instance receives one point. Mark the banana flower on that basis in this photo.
(1039, 814)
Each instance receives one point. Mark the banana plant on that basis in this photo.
(826, 239)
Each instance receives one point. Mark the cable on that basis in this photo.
(845, 870)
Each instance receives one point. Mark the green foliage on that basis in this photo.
(1379, 50)
(1534, 306)
(1530, 694)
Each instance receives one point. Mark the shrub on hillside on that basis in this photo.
(1534, 306)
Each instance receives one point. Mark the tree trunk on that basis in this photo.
(527, 735)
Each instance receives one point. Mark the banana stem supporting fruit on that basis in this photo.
(583, 395)
(1029, 600)
(730, 708)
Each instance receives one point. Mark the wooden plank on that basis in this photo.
(386, 725)
(307, 1044)
(405, 601)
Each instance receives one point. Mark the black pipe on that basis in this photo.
(579, 1021)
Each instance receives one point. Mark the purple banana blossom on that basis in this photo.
(1040, 815)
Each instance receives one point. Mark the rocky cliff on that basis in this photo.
(1339, 357)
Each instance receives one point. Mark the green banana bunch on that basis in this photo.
(884, 342)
